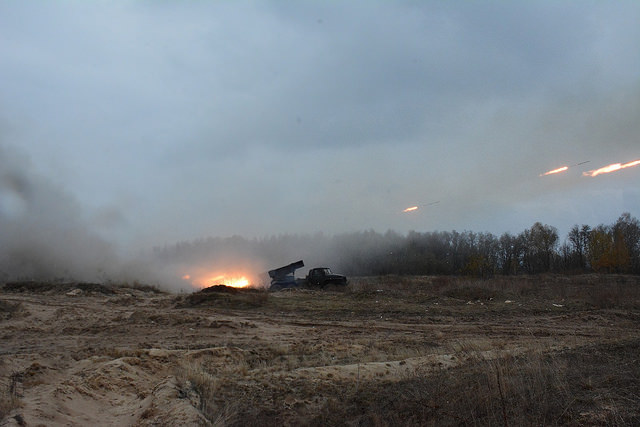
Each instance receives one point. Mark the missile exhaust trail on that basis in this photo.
(611, 168)
(415, 208)
(562, 169)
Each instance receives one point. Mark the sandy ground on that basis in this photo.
(83, 357)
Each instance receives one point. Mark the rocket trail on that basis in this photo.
(611, 168)
(415, 208)
(555, 171)
(562, 169)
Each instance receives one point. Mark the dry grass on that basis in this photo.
(596, 385)
(592, 291)
(60, 287)
(9, 400)
(10, 391)
(543, 350)
(585, 386)
(143, 287)
(56, 287)
(209, 384)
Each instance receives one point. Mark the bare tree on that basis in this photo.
(579, 240)
(627, 236)
(540, 242)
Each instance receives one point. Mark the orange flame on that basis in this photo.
(611, 168)
(204, 281)
(411, 209)
(551, 172)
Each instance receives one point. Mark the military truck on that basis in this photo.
(284, 277)
(323, 276)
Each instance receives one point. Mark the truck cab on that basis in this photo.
(323, 276)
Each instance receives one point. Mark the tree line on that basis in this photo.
(611, 248)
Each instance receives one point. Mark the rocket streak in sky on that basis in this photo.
(415, 208)
(611, 168)
(554, 171)
(562, 169)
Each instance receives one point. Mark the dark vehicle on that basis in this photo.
(323, 276)
(284, 277)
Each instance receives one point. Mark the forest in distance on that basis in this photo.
(613, 248)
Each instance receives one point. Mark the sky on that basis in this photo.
(149, 122)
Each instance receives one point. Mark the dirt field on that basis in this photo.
(385, 351)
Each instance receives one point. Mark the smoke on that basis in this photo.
(42, 234)
(349, 253)
(215, 260)
(45, 234)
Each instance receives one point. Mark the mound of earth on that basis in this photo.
(224, 289)
(225, 296)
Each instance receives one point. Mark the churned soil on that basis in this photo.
(382, 351)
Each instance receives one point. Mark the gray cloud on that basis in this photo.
(170, 121)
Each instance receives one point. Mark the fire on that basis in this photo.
(235, 282)
(206, 280)
(554, 171)
(611, 168)
(411, 209)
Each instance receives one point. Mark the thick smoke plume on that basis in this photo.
(45, 235)
(42, 232)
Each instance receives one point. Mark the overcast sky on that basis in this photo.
(160, 121)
